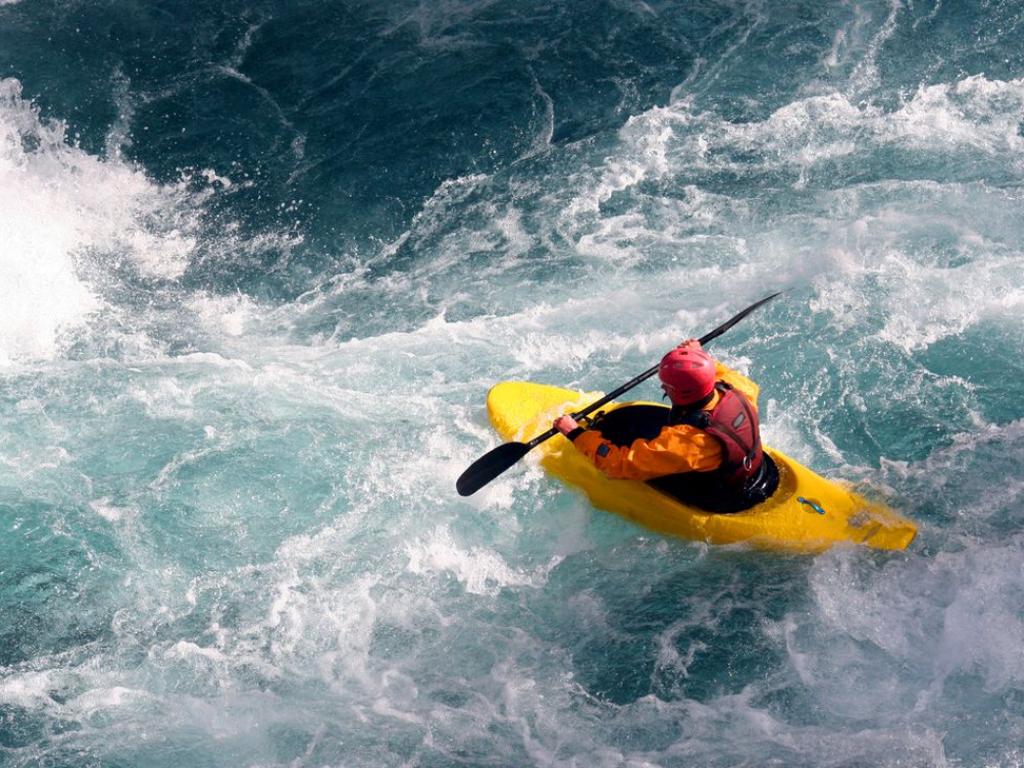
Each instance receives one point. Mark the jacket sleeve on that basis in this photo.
(679, 448)
(739, 382)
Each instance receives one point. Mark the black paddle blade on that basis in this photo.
(489, 466)
(736, 318)
(493, 463)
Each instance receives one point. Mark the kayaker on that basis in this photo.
(708, 450)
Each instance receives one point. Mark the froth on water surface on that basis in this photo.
(260, 263)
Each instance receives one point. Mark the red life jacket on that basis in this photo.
(733, 422)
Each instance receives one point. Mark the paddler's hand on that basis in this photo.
(566, 424)
(695, 343)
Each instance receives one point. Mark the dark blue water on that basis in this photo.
(259, 264)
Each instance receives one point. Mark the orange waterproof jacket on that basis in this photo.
(678, 448)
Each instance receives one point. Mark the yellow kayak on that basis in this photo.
(806, 513)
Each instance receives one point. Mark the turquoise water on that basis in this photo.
(260, 262)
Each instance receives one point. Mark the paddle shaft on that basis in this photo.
(649, 372)
(497, 460)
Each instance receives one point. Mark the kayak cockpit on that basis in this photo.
(704, 490)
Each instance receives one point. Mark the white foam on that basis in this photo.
(40, 293)
(481, 571)
(165, 398)
(228, 315)
(27, 689)
(114, 697)
(876, 232)
(865, 74)
(184, 650)
(111, 512)
(66, 219)
(975, 113)
(885, 639)
(432, 215)
(647, 136)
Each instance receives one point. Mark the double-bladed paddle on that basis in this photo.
(496, 461)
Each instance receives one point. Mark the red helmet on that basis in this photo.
(687, 374)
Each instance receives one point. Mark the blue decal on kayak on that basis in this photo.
(812, 504)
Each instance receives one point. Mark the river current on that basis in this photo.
(261, 261)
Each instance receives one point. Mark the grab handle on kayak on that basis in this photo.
(812, 504)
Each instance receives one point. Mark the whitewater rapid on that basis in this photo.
(239, 376)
